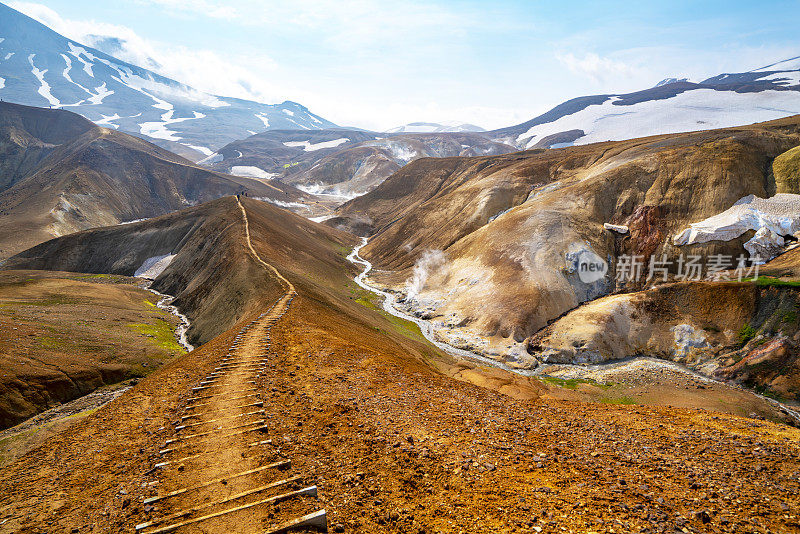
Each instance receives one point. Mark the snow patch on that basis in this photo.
(102, 92)
(778, 216)
(618, 228)
(67, 76)
(252, 172)
(107, 120)
(698, 109)
(784, 78)
(308, 146)
(44, 87)
(77, 52)
(263, 118)
(203, 150)
(153, 267)
(288, 112)
(159, 130)
(8, 56)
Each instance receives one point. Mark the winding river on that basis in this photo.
(165, 303)
(389, 301)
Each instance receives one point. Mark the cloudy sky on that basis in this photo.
(378, 64)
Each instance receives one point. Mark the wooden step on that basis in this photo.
(283, 464)
(311, 490)
(196, 509)
(318, 520)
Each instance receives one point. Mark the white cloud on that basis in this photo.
(211, 9)
(597, 68)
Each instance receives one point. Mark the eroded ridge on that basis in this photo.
(221, 472)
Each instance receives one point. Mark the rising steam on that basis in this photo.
(428, 263)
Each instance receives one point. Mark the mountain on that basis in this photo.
(61, 174)
(342, 163)
(433, 127)
(271, 153)
(488, 247)
(39, 67)
(674, 105)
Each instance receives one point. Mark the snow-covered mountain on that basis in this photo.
(40, 67)
(435, 127)
(672, 106)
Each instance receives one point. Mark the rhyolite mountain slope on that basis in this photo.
(672, 106)
(344, 163)
(61, 174)
(488, 247)
(40, 67)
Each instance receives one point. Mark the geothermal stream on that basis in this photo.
(165, 303)
(426, 328)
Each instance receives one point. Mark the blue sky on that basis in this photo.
(378, 64)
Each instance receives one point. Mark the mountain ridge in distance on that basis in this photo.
(63, 174)
(674, 105)
(40, 67)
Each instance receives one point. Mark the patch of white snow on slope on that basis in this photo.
(252, 172)
(77, 52)
(107, 120)
(102, 92)
(779, 215)
(308, 146)
(153, 267)
(207, 152)
(159, 130)
(44, 87)
(786, 79)
(698, 109)
(263, 118)
(67, 76)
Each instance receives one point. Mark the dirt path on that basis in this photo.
(223, 472)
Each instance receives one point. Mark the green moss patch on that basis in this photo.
(768, 281)
(162, 334)
(572, 383)
(625, 400)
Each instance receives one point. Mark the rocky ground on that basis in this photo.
(396, 447)
(377, 420)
